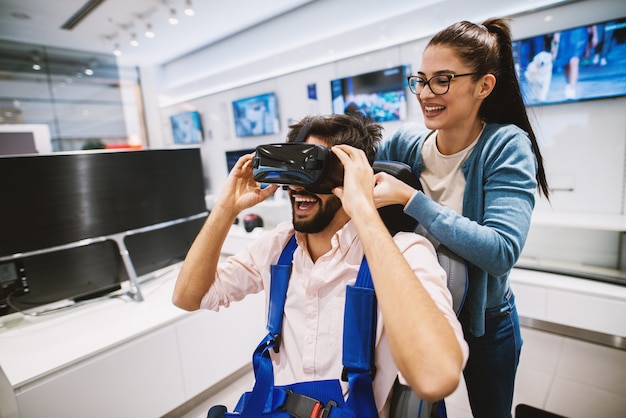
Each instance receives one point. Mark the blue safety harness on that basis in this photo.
(324, 398)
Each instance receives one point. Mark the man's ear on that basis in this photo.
(486, 85)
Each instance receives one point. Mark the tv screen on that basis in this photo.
(77, 274)
(233, 156)
(257, 115)
(59, 199)
(187, 128)
(24, 139)
(580, 63)
(379, 94)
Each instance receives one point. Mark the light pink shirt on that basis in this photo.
(313, 321)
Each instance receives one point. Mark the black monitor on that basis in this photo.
(234, 155)
(63, 215)
(56, 199)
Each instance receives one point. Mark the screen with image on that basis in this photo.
(581, 63)
(234, 155)
(187, 128)
(379, 94)
(257, 115)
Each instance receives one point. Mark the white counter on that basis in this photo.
(121, 358)
(574, 302)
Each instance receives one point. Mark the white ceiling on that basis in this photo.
(114, 21)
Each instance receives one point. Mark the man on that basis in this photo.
(418, 334)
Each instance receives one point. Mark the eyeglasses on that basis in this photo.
(438, 84)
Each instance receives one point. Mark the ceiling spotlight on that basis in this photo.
(189, 8)
(173, 19)
(117, 51)
(36, 59)
(149, 32)
(88, 71)
(133, 39)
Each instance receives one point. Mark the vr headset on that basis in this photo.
(311, 166)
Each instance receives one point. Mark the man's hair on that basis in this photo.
(336, 129)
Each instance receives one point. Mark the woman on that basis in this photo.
(480, 166)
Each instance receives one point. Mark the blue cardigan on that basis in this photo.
(498, 202)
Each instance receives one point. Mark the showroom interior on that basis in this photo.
(98, 97)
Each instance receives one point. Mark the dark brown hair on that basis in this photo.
(487, 49)
(357, 131)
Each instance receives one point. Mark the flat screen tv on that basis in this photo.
(581, 63)
(61, 214)
(234, 155)
(256, 116)
(379, 94)
(24, 139)
(58, 199)
(187, 128)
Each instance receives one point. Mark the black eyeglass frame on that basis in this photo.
(450, 77)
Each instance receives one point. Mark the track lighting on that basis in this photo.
(189, 8)
(173, 19)
(133, 27)
(149, 32)
(36, 59)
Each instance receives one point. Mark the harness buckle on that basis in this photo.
(277, 339)
(301, 406)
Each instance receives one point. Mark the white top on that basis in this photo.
(442, 178)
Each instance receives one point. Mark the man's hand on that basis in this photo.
(357, 192)
(241, 191)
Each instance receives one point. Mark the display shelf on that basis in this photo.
(570, 301)
(74, 334)
(599, 221)
(126, 358)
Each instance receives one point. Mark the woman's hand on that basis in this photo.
(391, 191)
(241, 191)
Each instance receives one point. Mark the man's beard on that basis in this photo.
(321, 219)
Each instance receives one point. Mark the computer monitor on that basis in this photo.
(25, 139)
(234, 155)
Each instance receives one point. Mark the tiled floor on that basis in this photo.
(565, 376)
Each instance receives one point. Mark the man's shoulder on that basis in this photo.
(405, 240)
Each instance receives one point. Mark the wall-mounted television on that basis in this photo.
(379, 94)
(580, 63)
(234, 155)
(187, 128)
(257, 115)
